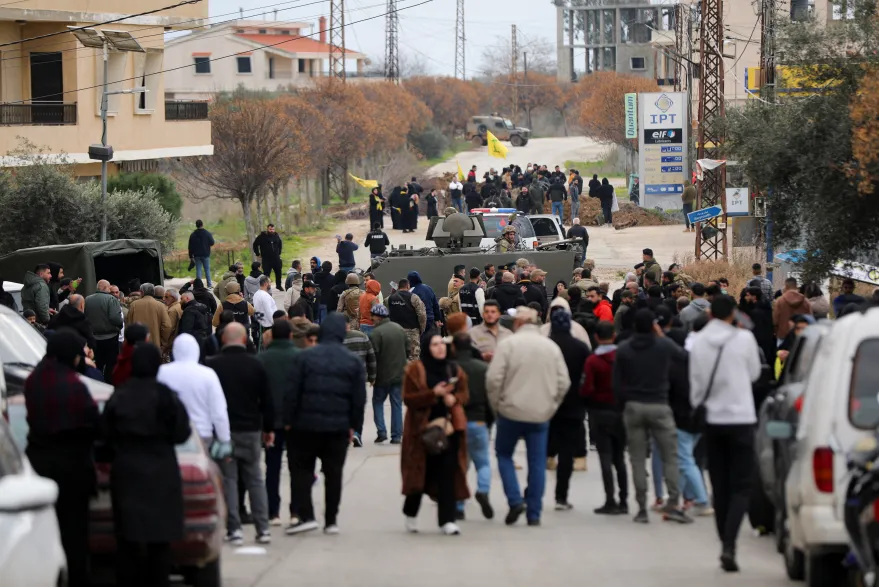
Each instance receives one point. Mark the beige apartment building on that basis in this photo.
(258, 55)
(51, 87)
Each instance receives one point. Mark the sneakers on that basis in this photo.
(608, 509)
(276, 521)
(551, 464)
(580, 464)
(623, 508)
(460, 516)
(264, 538)
(293, 521)
(396, 441)
(514, 514)
(673, 514)
(411, 525)
(357, 441)
(380, 439)
(301, 527)
(563, 506)
(331, 530)
(658, 505)
(641, 517)
(728, 561)
(487, 510)
(235, 538)
(702, 510)
(534, 522)
(451, 529)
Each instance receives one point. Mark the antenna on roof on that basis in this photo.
(241, 11)
(276, 13)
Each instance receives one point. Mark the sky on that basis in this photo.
(426, 31)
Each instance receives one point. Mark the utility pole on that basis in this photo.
(515, 71)
(337, 173)
(679, 46)
(711, 236)
(460, 72)
(392, 45)
(525, 100)
(768, 92)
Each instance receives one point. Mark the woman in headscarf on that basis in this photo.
(143, 421)
(435, 392)
(134, 335)
(63, 420)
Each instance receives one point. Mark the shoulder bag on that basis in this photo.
(700, 412)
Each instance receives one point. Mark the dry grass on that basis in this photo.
(737, 269)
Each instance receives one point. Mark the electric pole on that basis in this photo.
(768, 93)
(515, 72)
(392, 46)
(679, 46)
(711, 236)
(460, 72)
(336, 176)
(525, 100)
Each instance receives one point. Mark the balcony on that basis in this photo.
(180, 110)
(38, 113)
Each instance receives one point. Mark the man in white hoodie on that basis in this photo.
(724, 363)
(200, 391)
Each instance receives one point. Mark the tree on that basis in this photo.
(252, 145)
(163, 186)
(497, 58)
(813, 162)
(451, 101)
(602, 115)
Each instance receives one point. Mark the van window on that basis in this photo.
(545, 227)
(495, 224)
(863, 402)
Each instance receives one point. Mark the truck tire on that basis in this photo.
(794, 560)
(482, 129)
(824, 570)
(477, 141)
(516, 141)
(524, 142)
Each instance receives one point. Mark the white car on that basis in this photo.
(547, 227)
(839, 406)
(30, 545)
(496, 219)
(14, 288)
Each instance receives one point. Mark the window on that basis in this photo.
(239, 31)
(116, 64)
(609, 63)
(10, 458)
(637, 63)
(262, 31)
(301, 65)
(499, 125)
(244, 65)
(202, 65)
(545, 227)
(863, 403)
(608, 18)
(285, 32)
(146, 73)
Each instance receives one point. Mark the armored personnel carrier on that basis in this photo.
(458, 238)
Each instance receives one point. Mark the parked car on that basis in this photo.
(774, 456)
(839, 403)
(547, 227)
(30, 544)
(14, 288)
(496, 219)
(197, 556)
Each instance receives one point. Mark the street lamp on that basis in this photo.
(105, 40)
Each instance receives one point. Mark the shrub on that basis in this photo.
(430, 142)
(164, 188)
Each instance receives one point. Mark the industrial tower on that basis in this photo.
(336, 177)
(460, 72)
(515, 72)
(392, 44)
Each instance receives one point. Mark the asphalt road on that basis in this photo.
(570, 548)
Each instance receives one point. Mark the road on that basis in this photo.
(550, 152)
(570, 548)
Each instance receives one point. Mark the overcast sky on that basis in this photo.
(426, 31)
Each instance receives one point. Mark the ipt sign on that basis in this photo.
(662, 149)
(666, 116)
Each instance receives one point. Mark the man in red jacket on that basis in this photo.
(606, 419)
(602, 309)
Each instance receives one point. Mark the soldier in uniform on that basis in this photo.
(349, 301)
(507, 241)
(407, 310)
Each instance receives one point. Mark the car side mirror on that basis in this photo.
(778, 430)
(19, 493)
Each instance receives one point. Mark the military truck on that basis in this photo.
(502, 128)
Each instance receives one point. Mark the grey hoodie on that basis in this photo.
(690, 313)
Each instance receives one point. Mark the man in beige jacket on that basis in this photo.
(526, 381)
(151, 313)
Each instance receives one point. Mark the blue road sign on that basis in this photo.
(705, 214)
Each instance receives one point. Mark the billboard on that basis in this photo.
(631, 101)
(662, 149)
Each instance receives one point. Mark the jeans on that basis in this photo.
(558, 209)
(245, 459)
(687, 209)
(274, 459)
(575, 209)
(692, 483)
(731, 465)
(643, 421)
(366, 329)
(610, 440)
(439, 471)
(536, 436)
(203, 263)
(308, 446)
(269, 265)
(321, 313)
(346, 268)
(458, 203)
(379, 394)
(477, 449)
(605, 211)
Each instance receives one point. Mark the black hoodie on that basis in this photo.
(70, 317)
(336, 290)
(508, 295)
(643, 369)
(575, 353)
(325, 281)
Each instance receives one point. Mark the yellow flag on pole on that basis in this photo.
(460, 171)
(367, 183)
(495, 148)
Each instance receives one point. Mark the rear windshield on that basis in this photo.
(863, 401)
(495, 224)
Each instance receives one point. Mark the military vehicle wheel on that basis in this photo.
(478, 142)
(516, 141)
(482, 129)
(525, 142)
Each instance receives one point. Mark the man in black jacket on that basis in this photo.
(323, 279)
(267, 246)
(196, 319)
(531, 292)
(508, 294)
(306, 302)
(200, 243)
(377, 241)
(322, 409)
(251, 420)
(72, 315)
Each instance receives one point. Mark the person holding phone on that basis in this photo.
(435, 391)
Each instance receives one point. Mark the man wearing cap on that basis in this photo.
(306, 304)
(392, 347)
(526, 382)
(651, 268)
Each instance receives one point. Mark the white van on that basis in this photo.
(839, 406)
(496, 219)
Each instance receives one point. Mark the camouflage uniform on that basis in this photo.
(414, 344)
(349, 306)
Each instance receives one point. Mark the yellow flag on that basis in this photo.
(367, 183)
(460, 171)
(495, 148)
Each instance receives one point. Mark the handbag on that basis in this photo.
(700, 413)
(435, 435)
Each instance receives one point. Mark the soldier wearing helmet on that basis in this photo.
(508, 239)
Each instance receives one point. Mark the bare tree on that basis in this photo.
(497, 58)
(411, 65)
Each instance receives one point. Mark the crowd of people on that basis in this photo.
(670, 370)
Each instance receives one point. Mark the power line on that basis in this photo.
(236, 54)
(73, 29)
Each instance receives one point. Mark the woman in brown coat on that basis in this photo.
(434, 387)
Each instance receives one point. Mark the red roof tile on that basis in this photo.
(294, 45)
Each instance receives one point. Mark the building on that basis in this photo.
(266, 56)
(51, 85)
